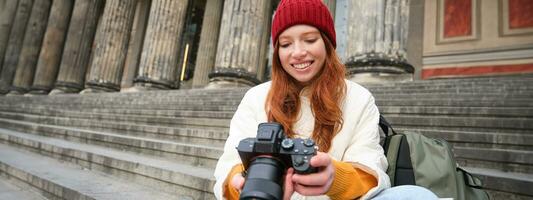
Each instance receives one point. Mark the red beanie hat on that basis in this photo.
(310, 12)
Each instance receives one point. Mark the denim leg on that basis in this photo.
(404, 192)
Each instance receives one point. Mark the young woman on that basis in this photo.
(310, 97)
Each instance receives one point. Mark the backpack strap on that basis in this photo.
(385, 126)
(392, 149)
(471, 180)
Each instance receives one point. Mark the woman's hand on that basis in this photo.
(237, 181)
(318, 183)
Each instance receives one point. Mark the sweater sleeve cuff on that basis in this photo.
(350, 182)
(228, 191)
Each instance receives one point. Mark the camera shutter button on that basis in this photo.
(309, 143)
(287, 143)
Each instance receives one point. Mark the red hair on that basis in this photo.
(327, 91)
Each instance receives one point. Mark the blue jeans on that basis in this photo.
(404, 192)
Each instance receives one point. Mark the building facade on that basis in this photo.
(74, 46)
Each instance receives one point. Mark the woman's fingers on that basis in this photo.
(316, 183)
(321, 159)
(289, 186)
(310, 190)
(237, 181)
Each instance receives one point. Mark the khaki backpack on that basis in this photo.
(415, 159)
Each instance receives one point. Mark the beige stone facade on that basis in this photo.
(107, 46)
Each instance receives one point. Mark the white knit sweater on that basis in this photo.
(357, 142)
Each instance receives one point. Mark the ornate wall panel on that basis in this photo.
(477, 38)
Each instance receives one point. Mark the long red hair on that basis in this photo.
(326, 91)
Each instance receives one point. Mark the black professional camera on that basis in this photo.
(268, 156)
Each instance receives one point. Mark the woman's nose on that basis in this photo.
(299, 51)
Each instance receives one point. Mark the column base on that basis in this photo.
(57, 91)
(62, 87)
(3, 91)
(231, 77)
(39, 90)
(140, 88)
(14, 93)
(376, 77)
(378, 63)
(96, 90)
(92, 87)
(228, 83)
(17, 91)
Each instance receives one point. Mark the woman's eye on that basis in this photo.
(284, 45)
(311, 40)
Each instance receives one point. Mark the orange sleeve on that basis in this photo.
(228, 191)
(350, 182)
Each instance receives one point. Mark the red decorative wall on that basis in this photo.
(476, 70)
(520, 14)
(457, 18)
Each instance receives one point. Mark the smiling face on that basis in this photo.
(302, 52)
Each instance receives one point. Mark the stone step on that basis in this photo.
(496, 123)
(191, 154)
(386, 110)
(496, 140)
(10, 189)
(517, 90)
(457, 81)
(450, 102)
(456, 103)
(501, 159)
(214, 137)
(57, 180)
(87, 112)
(506, 152)
(166, 97)
(145, 120)
(169, 176)
(505, 185)
(459, 111)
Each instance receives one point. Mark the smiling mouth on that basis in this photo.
(302, 65)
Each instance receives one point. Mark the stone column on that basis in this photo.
(8, 9)
(33, 39)
(111, 45)
(376, 43)
(135, 45)
(207, 50)
(161, 45)
(54, 38)
(14, 45)
(241, 50)
(331, 4)
(78, 45)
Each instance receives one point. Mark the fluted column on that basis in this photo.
(205, 59)
(14, 45)
(161, 45)
(8, 9)
(133, 56)
(54, 38)
(33, 39)
(77, 49)
(241, 49)
(111, 45)
(377, 37)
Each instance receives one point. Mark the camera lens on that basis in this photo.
(264, 179)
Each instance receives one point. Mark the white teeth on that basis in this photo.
(301, 65)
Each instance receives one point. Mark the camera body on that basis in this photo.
(272, 142)
(267, 157)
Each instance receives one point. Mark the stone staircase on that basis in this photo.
(165, 144)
